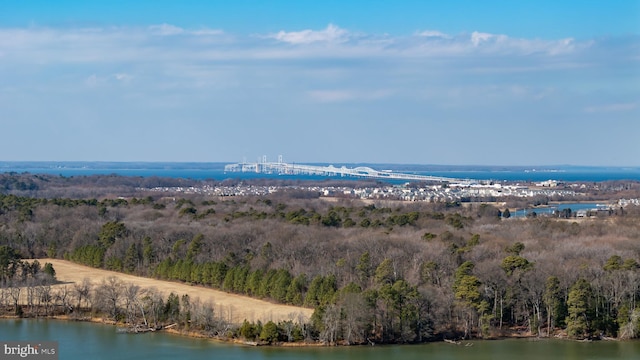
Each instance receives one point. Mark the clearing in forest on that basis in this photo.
(230, 307)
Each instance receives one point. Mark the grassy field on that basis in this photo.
(231, 307)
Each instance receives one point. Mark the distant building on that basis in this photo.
(548, 183)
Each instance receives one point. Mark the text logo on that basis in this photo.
(29, 350)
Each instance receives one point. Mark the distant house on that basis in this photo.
(548, 183)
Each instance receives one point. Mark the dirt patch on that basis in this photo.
(232, 307)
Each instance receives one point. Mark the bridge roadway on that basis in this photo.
(301, 169)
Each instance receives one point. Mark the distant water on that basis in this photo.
(215, 171)
(80, 341)
(549, 210)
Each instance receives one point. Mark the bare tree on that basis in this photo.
(82, 291)
(45, 297)
(131, 293)
(62, 298)
(14, 294)
(356, 319)
(108, 296)
(331, 323)
(153, 305)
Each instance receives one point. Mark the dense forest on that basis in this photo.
(383, 272)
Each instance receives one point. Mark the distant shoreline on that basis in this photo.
(215, 171)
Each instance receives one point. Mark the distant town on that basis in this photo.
(481, 191)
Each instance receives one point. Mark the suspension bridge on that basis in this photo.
(283, 168)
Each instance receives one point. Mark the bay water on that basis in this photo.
(215, 171)
(79, 340)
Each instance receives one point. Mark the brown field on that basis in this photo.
(231, 307)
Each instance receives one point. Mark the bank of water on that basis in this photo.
(216, 171)
(79, 340)
(552, 209)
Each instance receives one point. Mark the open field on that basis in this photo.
(231, 307)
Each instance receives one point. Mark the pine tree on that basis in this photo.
(578, 322)
(131, 258)
(363, 268)
(269, 332)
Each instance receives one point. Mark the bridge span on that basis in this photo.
(301, 169)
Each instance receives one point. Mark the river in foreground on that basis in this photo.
(79, 340)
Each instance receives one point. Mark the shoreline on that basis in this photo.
(168, 329)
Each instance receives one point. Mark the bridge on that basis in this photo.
(282, 168)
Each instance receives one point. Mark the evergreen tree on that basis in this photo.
(466, 288)
(385, 273)
(148, 252)
(194, 246)
(248, 331)
(578, 320)
(172, 307)
(49, 270)
(554, 302)
(280, 285)
(110, 232)
(295, 292)
(9, 262)
(131, 258)
(363, 269)
(269, 332)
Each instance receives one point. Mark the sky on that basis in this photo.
(408, 82)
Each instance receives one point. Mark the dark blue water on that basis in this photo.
(215, 171)
(92, 341)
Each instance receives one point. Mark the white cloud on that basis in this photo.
(433, 34)
(166, 30)
(166, 42)
(171, 30)
(123, 77)
(93, 80)
(339, 95)
(331, 95)
(207, 32)
(503, 44)
(418, 80)
(619, 107)
(332, 34)
(167, 54)
(478, 38)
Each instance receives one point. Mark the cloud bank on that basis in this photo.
(166, 81)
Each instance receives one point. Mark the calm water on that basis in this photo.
(94, 341)
(553, 208)
(216, 171)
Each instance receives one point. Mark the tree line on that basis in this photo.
(374, 272)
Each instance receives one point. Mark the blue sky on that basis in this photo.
(426, 82)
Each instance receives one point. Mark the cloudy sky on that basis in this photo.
(415, 82)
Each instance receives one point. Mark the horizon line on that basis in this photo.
(546, 166)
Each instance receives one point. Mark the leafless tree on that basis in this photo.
(131, 293)
(108, 295)
(356, 319)
(331, 323)
(153, 305)
(82, 292)
(62, 297)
